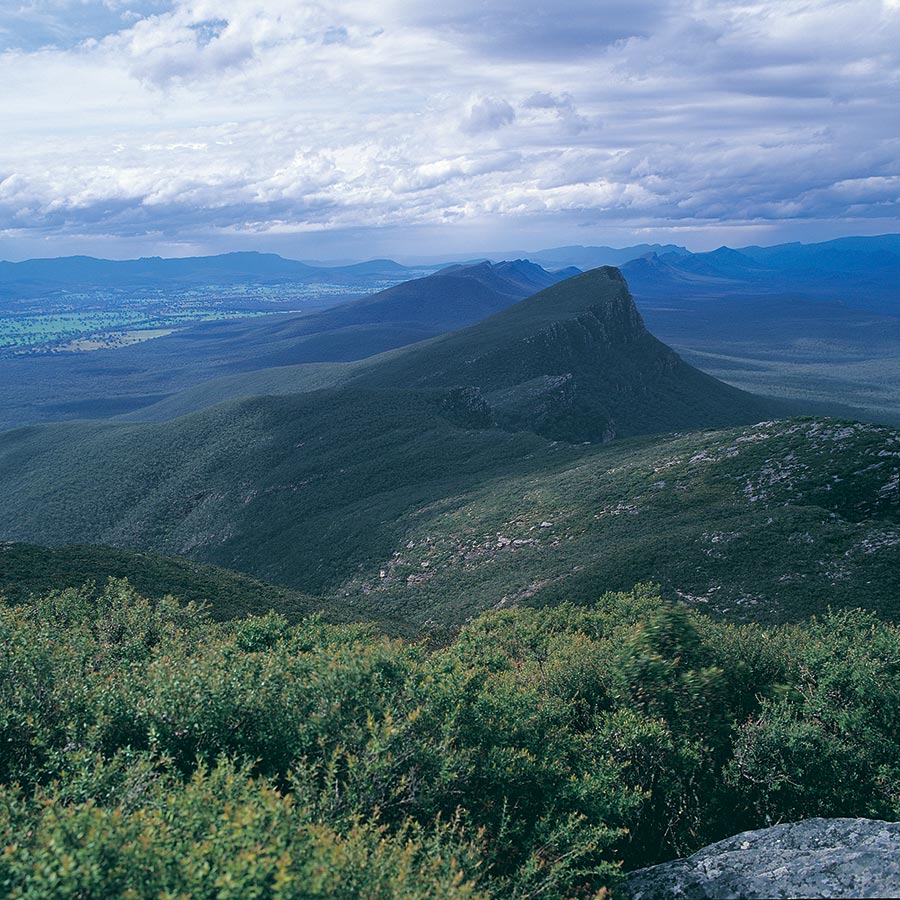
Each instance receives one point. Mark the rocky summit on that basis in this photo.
(814, 858)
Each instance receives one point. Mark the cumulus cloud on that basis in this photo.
(193, 118)
(487, 114)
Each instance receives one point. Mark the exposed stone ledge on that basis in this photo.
(815, 858)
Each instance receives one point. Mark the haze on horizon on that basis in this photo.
(346, 129)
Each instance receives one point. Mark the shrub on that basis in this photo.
(148, 752)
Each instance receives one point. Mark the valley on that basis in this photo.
(816, 323)
(78, 305)
(116, 381)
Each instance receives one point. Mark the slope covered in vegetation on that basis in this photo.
(574, 362)
(150, 753)
(309, 488)
(28, 570)
(769, 523)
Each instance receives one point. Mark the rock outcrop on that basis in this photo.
(837, 858)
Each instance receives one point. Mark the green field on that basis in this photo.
(38, 334)
(51, 323)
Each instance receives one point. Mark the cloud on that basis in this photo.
(210, 118)
(546, 100)
(487, 114)
(535, 30)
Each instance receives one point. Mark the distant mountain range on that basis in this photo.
(35, 276)
(593, 257)
(874, 259)
(819, 323)
(859, 272)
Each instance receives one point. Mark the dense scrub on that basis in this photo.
(148, 752)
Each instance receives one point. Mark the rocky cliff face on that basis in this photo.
(839, 858)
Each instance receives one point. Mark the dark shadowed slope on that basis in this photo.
(27, 569)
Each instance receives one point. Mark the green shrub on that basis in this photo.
(148, 752)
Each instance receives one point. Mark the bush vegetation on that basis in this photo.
(147, 751)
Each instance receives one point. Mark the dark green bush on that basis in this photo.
(148, 752)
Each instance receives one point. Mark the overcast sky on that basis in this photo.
(404, 127)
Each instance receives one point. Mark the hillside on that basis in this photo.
(298, 489)
(770, 523)
(410, 492)
(113, 382)
(574, 362)
(28, 570)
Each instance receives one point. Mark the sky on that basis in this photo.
(352, 129)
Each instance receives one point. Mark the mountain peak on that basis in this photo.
(601, 293)
(575, 362)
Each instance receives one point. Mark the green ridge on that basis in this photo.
(28, 570)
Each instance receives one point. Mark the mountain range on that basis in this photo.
(860, 273)
(814, 323)
(514, 460)
(34, 277)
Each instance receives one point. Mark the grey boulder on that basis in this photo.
(839, 858)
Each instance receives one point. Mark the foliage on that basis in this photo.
(431, 522)
(27, 569)
(149, 752)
